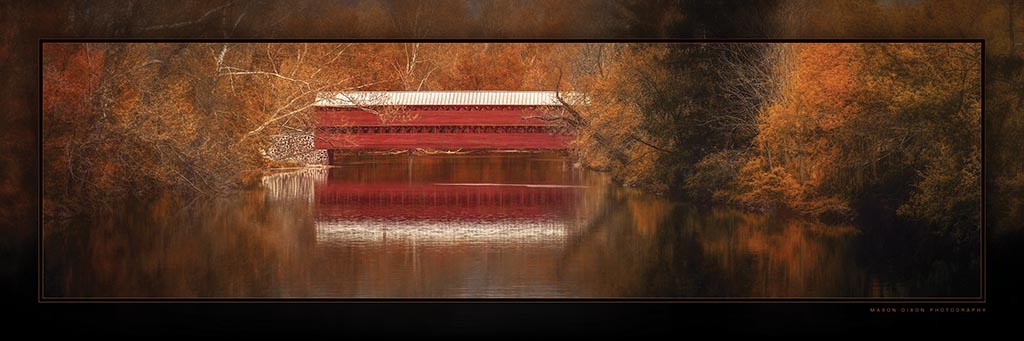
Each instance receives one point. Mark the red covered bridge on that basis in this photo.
(438, 120)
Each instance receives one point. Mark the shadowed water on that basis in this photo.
(468, 226)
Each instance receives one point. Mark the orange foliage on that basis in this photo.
(763, 189)
(819, 97)
(72, 74)
(859, 123)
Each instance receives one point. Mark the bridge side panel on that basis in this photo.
(443, 141)
(325, 117)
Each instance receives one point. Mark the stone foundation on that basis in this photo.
(295, 147)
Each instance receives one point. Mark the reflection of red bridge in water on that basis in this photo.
(431, 202)
(442, 120)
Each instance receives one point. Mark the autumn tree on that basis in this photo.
(1000, 23)
(70, 81)
(794, 141)
(653, 112)
(927, 101)
(132, 119)
(889, 126)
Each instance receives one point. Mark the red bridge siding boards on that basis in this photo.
(505, 118)
(444, 141)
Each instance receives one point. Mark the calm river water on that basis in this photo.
(480, 226)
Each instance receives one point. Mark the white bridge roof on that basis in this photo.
(375, 98)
